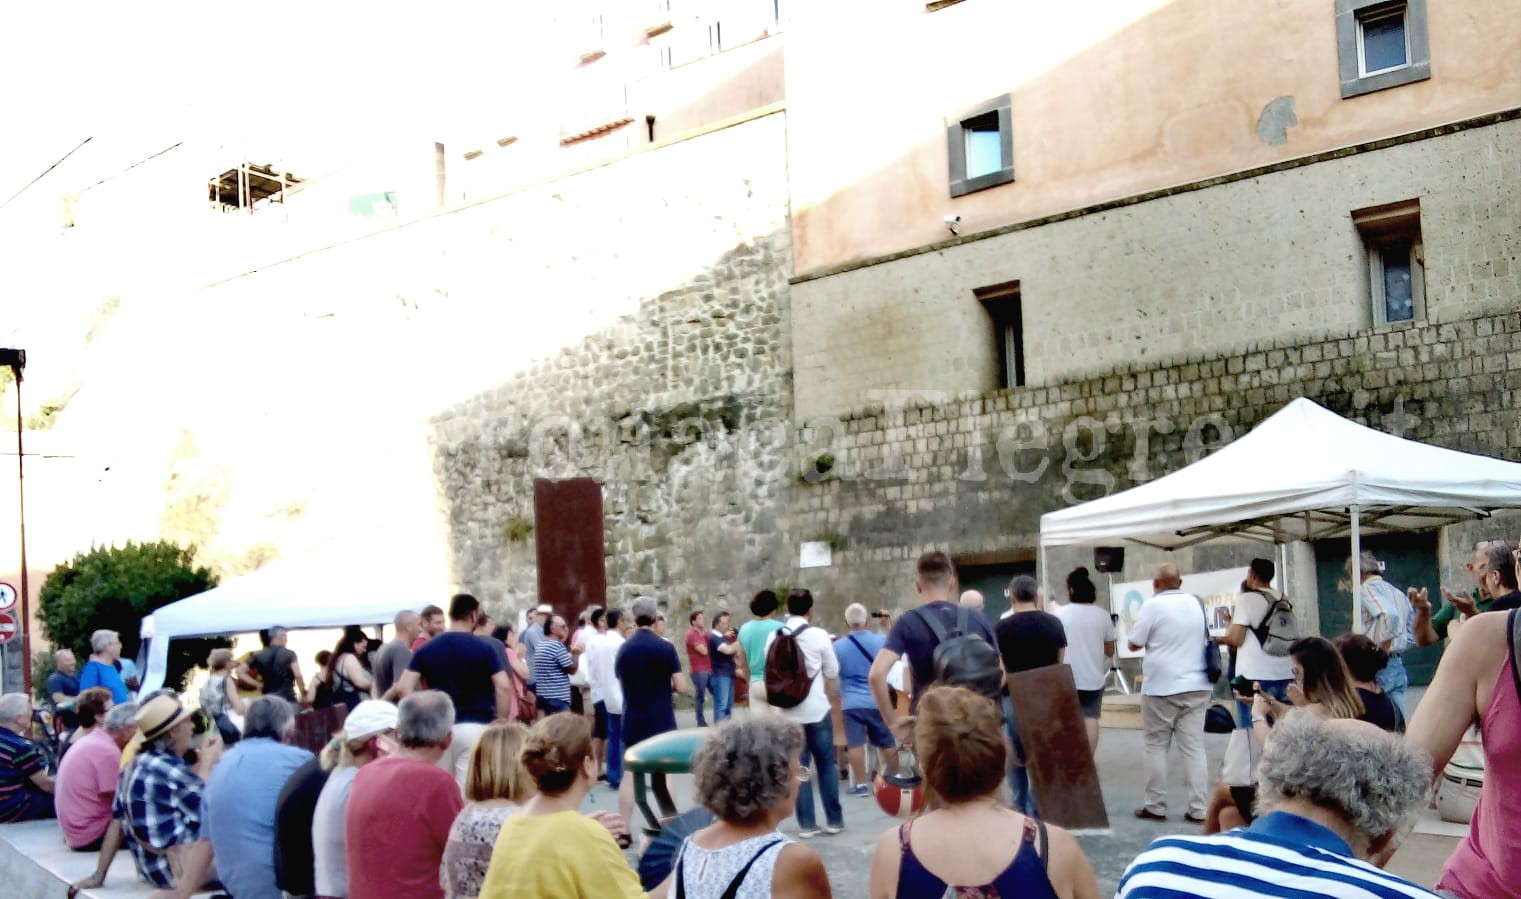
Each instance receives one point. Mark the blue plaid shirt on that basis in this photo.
(158, 803)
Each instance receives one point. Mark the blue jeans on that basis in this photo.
(699, 691)
(614, 750)
(1278, 689)
(818, 750)
(553, 706)
(722, 686)
(1393, 680)
(1019, 776)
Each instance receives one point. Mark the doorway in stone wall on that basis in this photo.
(990, 573)
(1410, 560)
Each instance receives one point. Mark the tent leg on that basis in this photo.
(1354, 570)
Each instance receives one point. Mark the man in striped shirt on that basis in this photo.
(1330, 794)
(553, 664)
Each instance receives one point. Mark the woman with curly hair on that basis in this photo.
(972, 843)
(748, 773)
(549, 848)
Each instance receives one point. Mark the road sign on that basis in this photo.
(8, 628)
(7, 596)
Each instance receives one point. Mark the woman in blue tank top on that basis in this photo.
(972, 844)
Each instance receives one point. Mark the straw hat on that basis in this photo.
(159, 715)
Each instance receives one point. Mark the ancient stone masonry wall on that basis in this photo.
(677, 407)
(973, 474)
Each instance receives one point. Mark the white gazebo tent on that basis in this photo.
(290, 595)
(1304, 473)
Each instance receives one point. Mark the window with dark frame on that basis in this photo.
(1002, 304)
(1381, 44)
(980, 142)
(1396, 261)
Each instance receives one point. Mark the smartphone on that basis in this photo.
(1243, 686)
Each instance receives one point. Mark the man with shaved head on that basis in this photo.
(972, 599)
(1172, 629)
(392, 659)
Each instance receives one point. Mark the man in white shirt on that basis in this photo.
(607, 692)
(1272, 673)
(1175, 691)
(813, 714)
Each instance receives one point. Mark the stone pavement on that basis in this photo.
(1122, 772)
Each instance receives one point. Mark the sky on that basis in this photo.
(137, 77)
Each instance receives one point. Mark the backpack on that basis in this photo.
(964, 659)
(1279, 627)
(788, 682)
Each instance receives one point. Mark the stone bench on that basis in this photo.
(35, 863)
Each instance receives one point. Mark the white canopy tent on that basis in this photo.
(1304, 473)
(290, 595)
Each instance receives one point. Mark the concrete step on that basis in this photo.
(1121, 711)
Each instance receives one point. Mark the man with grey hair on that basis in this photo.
(103, 669)
(241, 796)
(856, 651)
(1389, 621)
(392, 659)
(402, 807)
(278, 669)
(1331, 795)
(87, 779)
(26, 790)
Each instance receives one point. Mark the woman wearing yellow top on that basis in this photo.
(549, 848)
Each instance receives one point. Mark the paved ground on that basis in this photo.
(1121, 762)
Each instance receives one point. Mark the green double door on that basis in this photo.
(1410, 560)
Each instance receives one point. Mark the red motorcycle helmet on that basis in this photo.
(901, 795)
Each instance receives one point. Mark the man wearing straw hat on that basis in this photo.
(159, 804)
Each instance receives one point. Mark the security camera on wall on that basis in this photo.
(951, 221)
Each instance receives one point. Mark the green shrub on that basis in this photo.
(114, 588)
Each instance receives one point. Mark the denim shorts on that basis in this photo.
(863, 723)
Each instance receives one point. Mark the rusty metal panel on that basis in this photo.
(1060, 762)
(568, 537)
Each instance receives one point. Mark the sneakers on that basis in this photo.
(833, 829)
(808, 832)
(861, 790)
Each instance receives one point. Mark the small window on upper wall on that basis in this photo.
(1381, 44)
(1396, 261)
(981, 145)
(1006, 315)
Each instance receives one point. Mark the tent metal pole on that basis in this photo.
(1354, 570)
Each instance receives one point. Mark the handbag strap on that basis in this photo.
(864, 654)
(735, 884)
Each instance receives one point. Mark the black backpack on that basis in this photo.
(963, 658)
(787, 679)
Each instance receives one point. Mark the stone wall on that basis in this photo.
(1189, 273)
(973, 474)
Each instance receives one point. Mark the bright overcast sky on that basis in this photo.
(137, 77)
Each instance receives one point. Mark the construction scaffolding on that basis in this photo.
(250, 187)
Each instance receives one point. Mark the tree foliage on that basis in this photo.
(114, 588)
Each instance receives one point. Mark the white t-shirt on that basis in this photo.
(822, 664)
(1171, 628)
(1088, 628)
(328, 844)
(598, 660)
(1251, 662)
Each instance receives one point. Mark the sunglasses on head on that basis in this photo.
(1486, 544)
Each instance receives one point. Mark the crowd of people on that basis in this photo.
(468, 752)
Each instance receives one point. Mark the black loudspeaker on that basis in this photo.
(1109, 559)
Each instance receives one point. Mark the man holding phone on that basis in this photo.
(1253, 664)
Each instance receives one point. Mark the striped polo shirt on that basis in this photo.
(549, 663)
(1279, 855)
